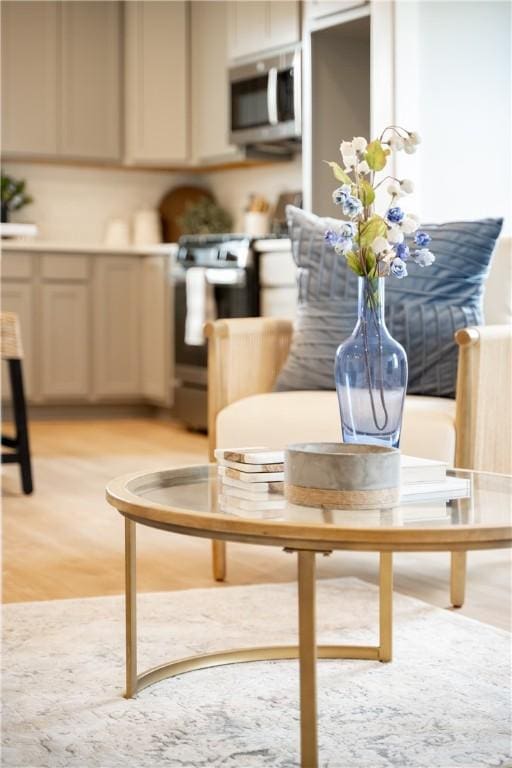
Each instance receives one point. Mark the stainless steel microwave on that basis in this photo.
(265, 99)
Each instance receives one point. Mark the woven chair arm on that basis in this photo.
(244, 358)
(484, 410)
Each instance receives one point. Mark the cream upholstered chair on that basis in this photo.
(473, 431)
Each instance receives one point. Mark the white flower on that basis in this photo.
(409, 224)
(380, 245)
(414, 137)
(346, 149)
(394, 188)
(396, 143)
(359, 144)
(350, 162)
(395, 235)
(407, 186)
(409, 147)
(363, 167)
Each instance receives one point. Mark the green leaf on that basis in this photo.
(354, 263)
(371, 262)
(339, 173)
(375, 155)
(366, 192)
(374, 227)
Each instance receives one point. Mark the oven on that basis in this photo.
(227, 271)
(265, 99)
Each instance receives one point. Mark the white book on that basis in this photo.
(247, 492)
(250, 468)
(256, 488)
(251, 506)
(250, 477)
(416, 470)
(255, 455)
(451, 488)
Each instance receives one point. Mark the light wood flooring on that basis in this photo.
(65, 541)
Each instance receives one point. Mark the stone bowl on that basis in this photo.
(342, 475)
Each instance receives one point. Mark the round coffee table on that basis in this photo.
(186, 501)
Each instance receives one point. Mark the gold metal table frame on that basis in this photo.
(307, 651)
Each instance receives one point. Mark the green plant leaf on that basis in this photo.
(374, 227)
(375, 155)
(354, 263)
(339, 173)
(366, 192)
(371, 262)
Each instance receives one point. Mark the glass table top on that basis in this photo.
(199, 490)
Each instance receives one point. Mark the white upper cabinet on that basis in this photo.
(257, 26)
(60, 79)
(91, 85)
(29, 78)
(316, 9)
(157, 80)
(210, 97)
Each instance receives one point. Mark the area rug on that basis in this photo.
(444, 701)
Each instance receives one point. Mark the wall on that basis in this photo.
(232, 188)
(460, 103)
(74, 204)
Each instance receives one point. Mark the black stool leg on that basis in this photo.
(20, 420)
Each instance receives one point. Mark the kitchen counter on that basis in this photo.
(49, 246)
(273, 245)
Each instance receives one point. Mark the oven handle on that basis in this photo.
(273, 117)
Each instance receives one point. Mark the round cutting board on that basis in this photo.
(174, 204)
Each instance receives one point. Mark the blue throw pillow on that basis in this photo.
(423, 311)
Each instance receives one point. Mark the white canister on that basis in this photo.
(256, 224)
(117, 234)
(147, 229)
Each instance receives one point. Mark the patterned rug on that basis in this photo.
(443, 702)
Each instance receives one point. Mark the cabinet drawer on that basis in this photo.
(55, 267)
(16, 266)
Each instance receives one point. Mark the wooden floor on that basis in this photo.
(65, 541)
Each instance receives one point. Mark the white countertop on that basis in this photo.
(48, 246)
(273, 245)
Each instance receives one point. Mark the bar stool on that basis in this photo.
(11, 351)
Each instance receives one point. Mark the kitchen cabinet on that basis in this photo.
(91, 85)
(157, 82)
(317, 9)
(116, 332)
(29, 78)
(210, 97)
(256, 26)
(64, 351)
(156, 333)
(61, 79)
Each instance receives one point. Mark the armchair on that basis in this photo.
(246, 355)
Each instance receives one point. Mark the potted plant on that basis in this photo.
(14, 196)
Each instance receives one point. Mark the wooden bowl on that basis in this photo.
(342, 475)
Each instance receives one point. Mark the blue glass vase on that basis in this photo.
(371, 374)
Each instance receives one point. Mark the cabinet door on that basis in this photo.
(18, 297)
(29, 78)
(210, 97)
(255, 27)
(157, 82)
(91, 87)
(157, 343)
(117, 327)
(64, 352)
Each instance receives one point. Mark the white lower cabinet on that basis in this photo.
(156, 342)
(116, 322)
(64, 358)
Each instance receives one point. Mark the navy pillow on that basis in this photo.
(423, 310)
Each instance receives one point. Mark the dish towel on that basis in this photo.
(200, 305)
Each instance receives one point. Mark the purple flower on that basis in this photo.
(423, 257)
(422, 239)
(331, 237)
(352, 206)
(402, 251)
(395, 215)
(398, 268)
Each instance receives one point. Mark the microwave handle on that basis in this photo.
(272, 96)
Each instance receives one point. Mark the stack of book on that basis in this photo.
(427, 480)
(251, 481)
